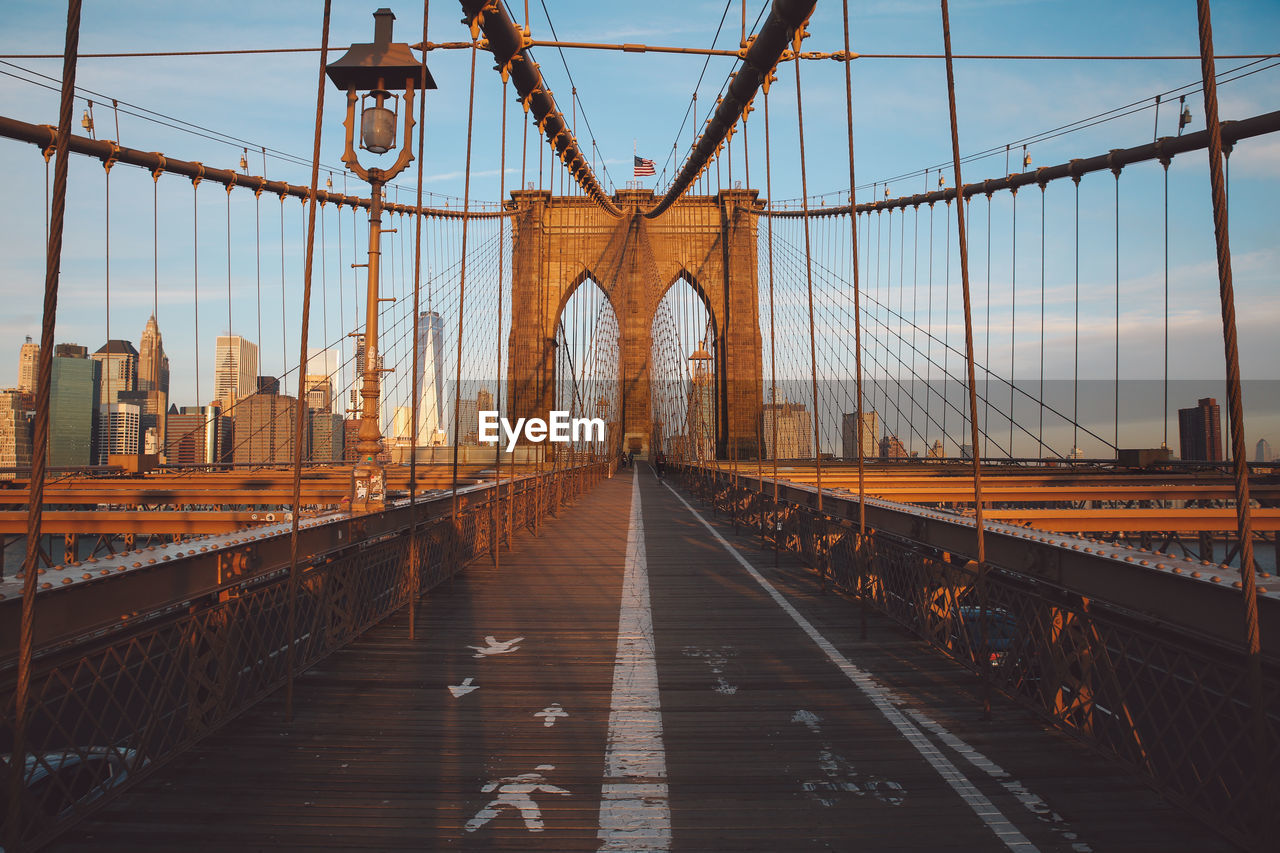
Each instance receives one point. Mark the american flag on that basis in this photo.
(643, 167)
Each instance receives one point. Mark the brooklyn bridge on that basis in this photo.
(912, 520)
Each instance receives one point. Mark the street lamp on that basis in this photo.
(374, 72)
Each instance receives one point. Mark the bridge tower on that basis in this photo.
(561, 242)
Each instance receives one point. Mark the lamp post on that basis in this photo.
(374, 71)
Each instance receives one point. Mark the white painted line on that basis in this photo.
(880, 697)
(1029, 799)
(635, 814)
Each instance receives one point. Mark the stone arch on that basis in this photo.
(709, 241)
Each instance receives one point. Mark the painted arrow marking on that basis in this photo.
(464, 688)
(550, 714)
(496, 648)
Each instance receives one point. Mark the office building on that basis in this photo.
(267, 385)
(119, 371)
(849, 434)
(402, 426)
(937, 450)
(28, 358)
(891, 447)
(235, 370)
(794, 431)
(265, 430)
(1263, 451)
(1200, 431)
(429, 383)
(318, 391)
(469, 417)
(327, 437)
(197, 435)
(119, 431)
(469, 421)
(73, 389)
(350, 437)
(153, 364)
(15, 432)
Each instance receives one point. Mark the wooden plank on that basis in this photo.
(380, 755)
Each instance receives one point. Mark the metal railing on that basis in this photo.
(109, 708)
(1166, 700)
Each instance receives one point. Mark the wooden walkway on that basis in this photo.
(726, 717)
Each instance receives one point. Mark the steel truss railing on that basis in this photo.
(1163, 700)
(111, 708)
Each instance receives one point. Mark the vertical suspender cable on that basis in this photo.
(462, 280)
(1040, 393)
(964, 289)
(195, 280)
(1164, 161)
(415, 568)
(109, 363)
(1244, 515)
(1013, 316)
(857, 316)
(40, 443)
(1116, 434)
(1075, 335)
(773, 346)
(968, 346)
(808, 271)
(300, 410)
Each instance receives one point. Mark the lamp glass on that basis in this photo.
(378, 129)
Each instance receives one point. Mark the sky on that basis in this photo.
(641, 102)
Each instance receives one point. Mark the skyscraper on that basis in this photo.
(319, 393)
(794, 428)
(265, 430)
(326, 437)
(891, 447)
(195, 436)
(468, 421)
(1262, 452)
(235, 370)
(119, 371)
(153, 364)
(73, 392)
(849, 435)
(429, 384)
(28, 356)
(15, 432)
(1200, 431)
(119, 431)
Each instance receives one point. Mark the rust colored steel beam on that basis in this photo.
(119, 522)
(157, 163)
(1048, 494)
(507, 43)
(1192, 520)
(1164, 147)
(767, 48)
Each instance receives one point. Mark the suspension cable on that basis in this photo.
(300, 411)
(40, 443)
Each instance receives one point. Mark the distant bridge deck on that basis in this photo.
(756, 734)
